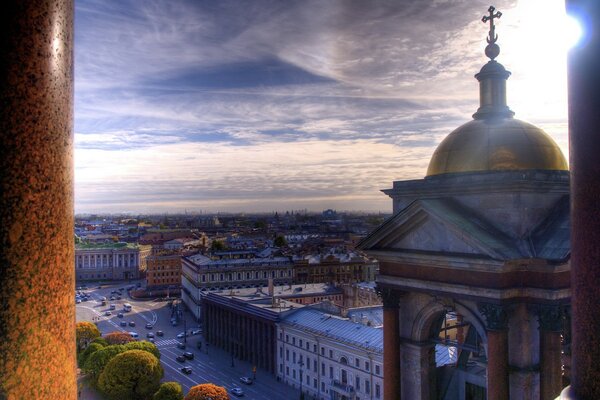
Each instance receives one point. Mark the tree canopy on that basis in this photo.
(134, 374)
(96, 362)
(207, 391)
(85, 354)
(144, 345)
(169, 391)
(118, 337)
(85, 332)
(280, 241)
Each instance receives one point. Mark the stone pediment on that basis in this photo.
(441, 226)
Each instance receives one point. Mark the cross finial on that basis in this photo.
(492, 49)
(492, 35)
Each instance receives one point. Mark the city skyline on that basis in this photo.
(303, 105)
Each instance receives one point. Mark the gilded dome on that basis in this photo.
(496, 144)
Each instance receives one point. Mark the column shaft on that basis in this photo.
(497, 368)
(550, 365)
(391, 355)
(37, 280)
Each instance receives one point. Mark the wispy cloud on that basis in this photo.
(267, 104)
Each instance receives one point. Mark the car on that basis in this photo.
(131, 323)
(180, 358)
(107, 313)
(134, 335)
(196, 331)
(99, 287)
(159, 333)
(186, 370)
(148, 325)
(123, 323)
(120, 315)
(180, 345)
(118, 297)
(173, 322)
(77, 301)
(151, 340)
(246, 380)
(237, 391)
(181, 335)
(150, 335)
(113, 298)
(188, 355)
(113, 307)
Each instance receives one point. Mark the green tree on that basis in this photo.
(280, 241)
(134, 374)
(169, 391)
(217, 245)
(207, 391)
(144, 345)
(85, 332)
(100, 340)
(96, 362)
(85, 354)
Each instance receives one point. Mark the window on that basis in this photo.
(330, 353)
(294, 341)
(294, 357)
(367, 365)
(281, 368)
(315, 383)
(322, 351)
(294, 374)
(315, 365)
(287, 355)
(323, 369)
(357, 362)
(315, 348)
(280, 352)
(287, 338)
(300, 343)
(377, 390)
(287, 370)
(367, 386)
(377, 370)
(322, 386)
(357, 383)
(307, 345)
(331, 372)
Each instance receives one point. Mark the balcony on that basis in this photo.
(342, 388)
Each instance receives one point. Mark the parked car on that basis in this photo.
(237, 391)
(188, 355)
(120, 315)
(180, 358)
(159, 333)
(123, 323)
(107, 313)
(186, 370)
(246, 380)
(196, 331)
(131, 323)
(149, 335)
(113, 307)
(134, 335)
(148, 325)
(181, 335)
(180, 345)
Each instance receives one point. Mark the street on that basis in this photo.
(210, 365)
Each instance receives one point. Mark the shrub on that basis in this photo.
(134, 374)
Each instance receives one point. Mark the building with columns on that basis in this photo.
(484, 237)
(110, 261)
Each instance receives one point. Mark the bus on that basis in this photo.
(126, 307)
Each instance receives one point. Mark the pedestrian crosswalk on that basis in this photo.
(166, 342)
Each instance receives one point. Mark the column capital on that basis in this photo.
(551, 317)
(496, 316)
(389, 296)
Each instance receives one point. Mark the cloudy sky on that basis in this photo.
(279, 105)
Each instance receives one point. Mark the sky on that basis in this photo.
(260, 106)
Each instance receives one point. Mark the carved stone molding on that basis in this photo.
(389, 297)
(496, 316)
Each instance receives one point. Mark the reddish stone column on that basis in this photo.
(37, 280)
(497, 350)
(584, 146)
(550, 320)
(391, 343)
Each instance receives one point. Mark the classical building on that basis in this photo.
(338, 268)
(329, 357)
(163, 269)
(110, 261)
(484, 237)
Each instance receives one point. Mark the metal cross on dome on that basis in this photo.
(492, 36)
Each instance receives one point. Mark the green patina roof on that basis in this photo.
(118, 245)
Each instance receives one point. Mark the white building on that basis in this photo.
(109, 261)
(329, 357)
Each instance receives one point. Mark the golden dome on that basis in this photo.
(496, 144)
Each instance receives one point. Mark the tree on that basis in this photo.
(134, 374)
(85, 332)
(217, 245)
(118, 337)
(280, 241)
(144, 345)
(85, 354)
(169, 391)
(100, 340)
(96, 362)
(207, 391)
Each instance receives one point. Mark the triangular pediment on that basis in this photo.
(441, 226)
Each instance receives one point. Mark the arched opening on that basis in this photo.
(455, 338)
